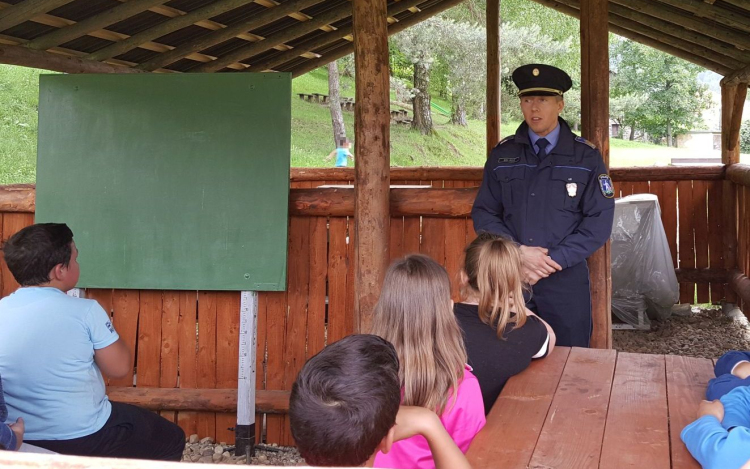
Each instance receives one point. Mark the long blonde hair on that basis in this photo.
(494, 272)
(414, 313)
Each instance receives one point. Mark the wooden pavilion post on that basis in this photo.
(595, 122)
(372, 156)
(733, 96)
(493, 74)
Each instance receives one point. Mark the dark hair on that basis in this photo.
(35, 250)
(345, 401)
(343, 141)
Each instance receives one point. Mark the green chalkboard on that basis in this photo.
(169, 181)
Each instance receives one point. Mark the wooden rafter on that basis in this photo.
(101, 20)
(26, 10)
(281, 37)
(566, 7)
(167, 27)
(394, 28)
(663, 36)
(19, 55)
(711, 12)
(105, 34)
(221, 35)
(738, 76)
(324, 40)
(686, 21)
(676, 31)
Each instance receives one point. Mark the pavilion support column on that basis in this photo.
(493, 74)
(372, 158)
(732, 101)
(595, 122)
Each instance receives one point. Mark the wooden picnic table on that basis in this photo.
(586, 409)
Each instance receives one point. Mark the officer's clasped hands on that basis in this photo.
(537, 264)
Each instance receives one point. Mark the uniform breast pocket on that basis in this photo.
(511, 180)
(568, 185)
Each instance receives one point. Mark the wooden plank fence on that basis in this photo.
(186, 341)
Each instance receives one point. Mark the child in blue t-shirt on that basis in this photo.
(720, 437)
(342, 154)
(11, 434)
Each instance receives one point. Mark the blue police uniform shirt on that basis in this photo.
(563, 203)
(551, 137)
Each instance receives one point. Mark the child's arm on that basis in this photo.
(113, 360)
(715, 448)
(734, 362)
(412, 421)
(550, 345)
(330, 155)
(736, 408)
(11, 435)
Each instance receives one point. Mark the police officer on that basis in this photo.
(549, 191)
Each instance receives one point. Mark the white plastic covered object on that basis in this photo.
(644, 284)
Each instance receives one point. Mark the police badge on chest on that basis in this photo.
(572, 189)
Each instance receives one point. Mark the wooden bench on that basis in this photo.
(587, 409)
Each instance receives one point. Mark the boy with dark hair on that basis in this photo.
(344, 408)
(53, 351)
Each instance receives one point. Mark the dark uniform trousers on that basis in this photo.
(562, 202)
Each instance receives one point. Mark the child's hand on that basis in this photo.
(714, 408)
(742, 370)
(412, 420)
(18, 429)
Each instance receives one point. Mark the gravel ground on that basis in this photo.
(205, 451)
(706, 333)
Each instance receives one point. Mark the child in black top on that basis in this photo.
(501, 338)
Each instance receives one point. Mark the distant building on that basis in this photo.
(700, 140)
(614, 128)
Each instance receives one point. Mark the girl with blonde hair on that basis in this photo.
(415, 313)
(502, 336)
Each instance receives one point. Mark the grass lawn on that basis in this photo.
(312, 135)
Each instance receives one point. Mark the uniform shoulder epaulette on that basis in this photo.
(506, 139)
(586, 142)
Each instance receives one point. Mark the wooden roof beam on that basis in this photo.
(108, 35)
(167, 27)
(323, 40)
(738, 76)
(281, 37)
(565, 7)
(93, 23)
(221, 35)
(711, 12)
(20, 55)
(680, 32)
(653, 9)
(26, 10)
(394, 28)
(667, 39)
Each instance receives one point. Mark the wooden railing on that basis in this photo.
(739, 174)
(316, 308)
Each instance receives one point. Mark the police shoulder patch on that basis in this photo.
(585, 142)
(605, 184)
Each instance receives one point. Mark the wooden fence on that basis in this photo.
(185, 343)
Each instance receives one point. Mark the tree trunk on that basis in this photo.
(422, 115)
(669, 134)
(632, 133)
(334, 102)
(458, 111)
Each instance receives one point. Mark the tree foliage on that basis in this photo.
(656, 92)
(745, 137)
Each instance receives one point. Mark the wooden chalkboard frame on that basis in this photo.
(169, 181)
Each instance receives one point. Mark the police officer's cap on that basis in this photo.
(541, 80)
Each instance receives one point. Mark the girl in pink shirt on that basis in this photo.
(415, 313)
